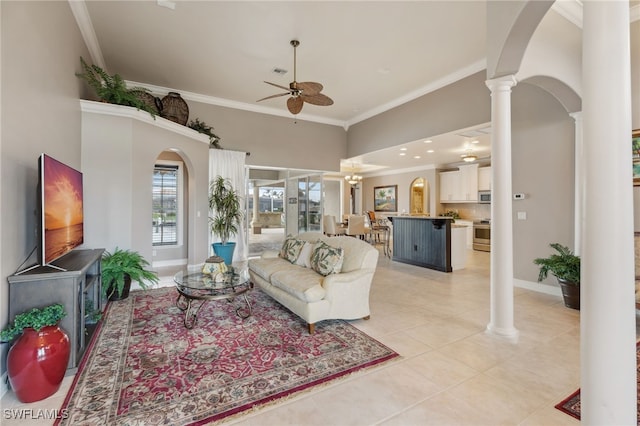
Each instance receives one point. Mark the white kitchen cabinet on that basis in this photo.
(459, 186)
(484, 179)
(469, 236)
(449, 186)
(469, 183)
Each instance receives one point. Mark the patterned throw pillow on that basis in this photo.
(304, 259)
(326, 259)
(291, 249)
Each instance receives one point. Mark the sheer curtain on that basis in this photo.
(230, 165)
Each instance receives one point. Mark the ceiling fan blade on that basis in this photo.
(317, 99)
(310, 87)
(278, 86)
(295, 104)
(274, 96)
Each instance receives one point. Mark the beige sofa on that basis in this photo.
(312, 296)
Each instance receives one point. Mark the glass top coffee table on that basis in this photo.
(194, 286)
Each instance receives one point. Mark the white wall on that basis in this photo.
(118, 156)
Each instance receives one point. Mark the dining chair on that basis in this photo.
(329, 225)
(356, 227)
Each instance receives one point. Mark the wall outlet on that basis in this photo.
(519, 196)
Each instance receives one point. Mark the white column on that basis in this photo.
(578, 198)
(501, 322)
(256, 208)
(607, 316)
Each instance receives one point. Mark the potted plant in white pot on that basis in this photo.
(566, 267)
(225, 216)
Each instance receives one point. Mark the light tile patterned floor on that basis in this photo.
(450, 371)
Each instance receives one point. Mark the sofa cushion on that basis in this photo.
(326, 259)
(266, 267)
(302, 283)
(291, 248)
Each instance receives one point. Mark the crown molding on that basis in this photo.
(572, 11)
(438, 84)
(81, 14)
(212, 100)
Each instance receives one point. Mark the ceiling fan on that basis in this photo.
(300, 92)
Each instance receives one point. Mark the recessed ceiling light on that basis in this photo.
(430, 151)
(403, 153)
(403, 149)
(416, 157)
(428, 141)
(475, 141)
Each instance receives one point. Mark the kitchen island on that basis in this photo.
(431, 242)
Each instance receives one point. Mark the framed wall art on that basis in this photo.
(635, 146)
(385, 198)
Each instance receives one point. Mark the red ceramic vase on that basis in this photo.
(37, 361)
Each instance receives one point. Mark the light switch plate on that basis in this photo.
(522, 215)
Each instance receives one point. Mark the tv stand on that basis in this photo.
(71, 280)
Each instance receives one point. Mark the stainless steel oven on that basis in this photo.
(482, 235)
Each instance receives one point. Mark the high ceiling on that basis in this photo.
(370, 56)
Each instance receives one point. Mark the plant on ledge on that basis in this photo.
(36, 318)
(112, 88)
(201, 126)
(120, 268)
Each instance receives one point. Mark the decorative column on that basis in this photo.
(578, 197)
(255, 223)
(501, 321)
(607, 314)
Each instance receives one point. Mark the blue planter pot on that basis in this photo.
(225, 251)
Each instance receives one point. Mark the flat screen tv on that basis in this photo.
(61, 216)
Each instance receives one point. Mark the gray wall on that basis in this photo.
(41, 47)
(543, 169)
(457, 106)
(275, 141)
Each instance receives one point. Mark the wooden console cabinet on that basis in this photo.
(79, 282)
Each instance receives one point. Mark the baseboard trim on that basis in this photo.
(538, 287)
(168, 263)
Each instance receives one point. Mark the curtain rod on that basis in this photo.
(234, 150)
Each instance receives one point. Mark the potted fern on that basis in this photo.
(565, 266)
(112, 88)
(119, 268)
(226, 216)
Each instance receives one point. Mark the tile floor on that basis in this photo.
(450, 372)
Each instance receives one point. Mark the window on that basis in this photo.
(166, 204)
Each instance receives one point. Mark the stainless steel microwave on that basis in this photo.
(484, 197)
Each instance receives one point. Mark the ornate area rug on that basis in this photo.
(571, 404)
(145, 367)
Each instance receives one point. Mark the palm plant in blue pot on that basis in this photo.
(225, 216)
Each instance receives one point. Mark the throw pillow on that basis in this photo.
(326, 259)
(304, 258)
(291, 249)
